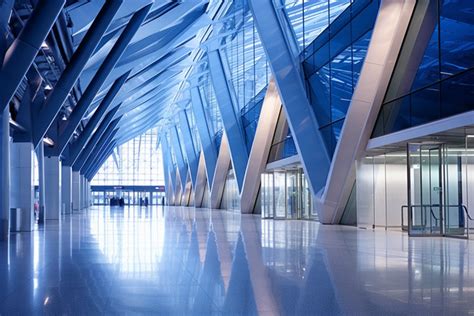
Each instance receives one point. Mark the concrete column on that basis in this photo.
(66, 189)
(41, 182)
(22, 187)
(83, 192)
(76, 191)
(52, 175)
(4, 174)
(88, 193)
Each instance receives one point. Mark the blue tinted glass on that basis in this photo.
(457, 36)
(336, 7)
(443, 83)
(457, 94)
(320, 95)
(341, 84)
(428, 71)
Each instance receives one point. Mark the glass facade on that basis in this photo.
(333, 63)
(250, 115)
(137, 162)
(231, 196)
(443, 85)
(285, 194)
(247, 63)
(308, 18)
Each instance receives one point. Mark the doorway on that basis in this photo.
(435, 182)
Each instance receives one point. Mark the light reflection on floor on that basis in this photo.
(186, 261)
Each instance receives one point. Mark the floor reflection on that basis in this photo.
(202, 262)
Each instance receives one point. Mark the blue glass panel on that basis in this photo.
(443, 85)
(428, 71)
(457, 94)
(456, 36)
(320, 95)
(337, 7)
(425, 105)
(341, 84)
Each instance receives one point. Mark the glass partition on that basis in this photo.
(286, 195)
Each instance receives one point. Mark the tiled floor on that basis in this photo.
(182, 261)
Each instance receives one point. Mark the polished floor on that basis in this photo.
(180, 261)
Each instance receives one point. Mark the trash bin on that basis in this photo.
(15, 219)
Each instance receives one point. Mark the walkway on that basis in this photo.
(182, 261)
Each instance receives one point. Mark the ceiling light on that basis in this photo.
(48, 141)
(64, 118)
(44, 45)
(48, 87)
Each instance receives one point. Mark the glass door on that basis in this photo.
(425, 189)
(280, 194)
(292, 194)
(306, 197)
(455, 211)
(267, 195)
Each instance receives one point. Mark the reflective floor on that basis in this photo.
(182, 261)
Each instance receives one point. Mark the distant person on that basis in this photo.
(122, 202)
(146, 201)
(163, 201)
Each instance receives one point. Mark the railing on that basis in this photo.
(467, 216)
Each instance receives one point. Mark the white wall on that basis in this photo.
(381, 191)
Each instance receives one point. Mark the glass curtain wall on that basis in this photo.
(308, 18)
(444, 83)
(248, 66)
(285, 194)
(137, 162)
(333, 62)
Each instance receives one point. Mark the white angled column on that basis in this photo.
(52, 175)
(261, 145)
(81, 191)
(391, 26)
(76, 191)
(220, 174)
(41, 182)
(66, 189)
(22, 187)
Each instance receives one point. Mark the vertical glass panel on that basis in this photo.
(280, 196)
(341, 84)
(292, 195)
(137, 162)
(456, 36)
(336, 7)
(428, 71)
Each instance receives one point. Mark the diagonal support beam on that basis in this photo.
(392, 44)
(104, 125)
(232, 124)
(262, 143)
(182, 164)
(166, 151)
(207, 142)
(22, 52)
(99, 78)
(76, 147)
(189, 146)
(99, 150)
(58, 96)
(289, 79)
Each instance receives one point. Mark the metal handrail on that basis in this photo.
(468, 218)
(424, 206)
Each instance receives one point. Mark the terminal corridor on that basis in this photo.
(175, 261)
